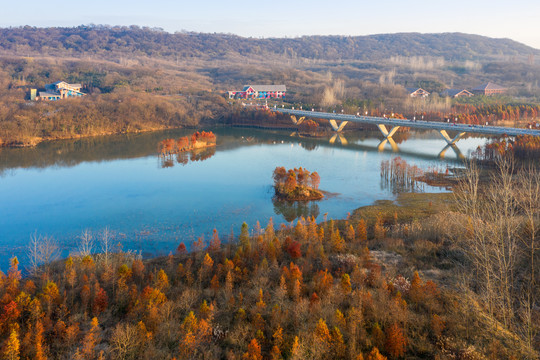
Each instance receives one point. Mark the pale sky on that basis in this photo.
(516, 19)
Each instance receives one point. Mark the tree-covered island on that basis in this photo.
(296, 184)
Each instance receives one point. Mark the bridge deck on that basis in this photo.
(479, 129)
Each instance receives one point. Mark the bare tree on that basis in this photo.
(500, 224)
(529, 203)
(475, 242)
(42, 250)
(86, 243)
(125, 342)
(500, 239)
(106, 239)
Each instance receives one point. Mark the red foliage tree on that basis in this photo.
(183, 143)
(215, 243)
(181, 249)
(294, 249)
(101, 301)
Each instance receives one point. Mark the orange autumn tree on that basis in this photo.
(11, 349)
(416, 291)
(194, 333)
(39, 342)
(275, 353)
(346, 284)
(254, 351)
(322, 338)
(361, 231)
(375, 355)
(162, 280)
(396, 343)
(90, 340)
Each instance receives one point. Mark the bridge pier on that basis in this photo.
(335, 125)
(447, 138)
(387, 134)
(299, 121)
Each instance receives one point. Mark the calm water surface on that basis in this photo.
(61, 188)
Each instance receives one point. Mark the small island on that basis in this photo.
(296, 184)
(197, 140)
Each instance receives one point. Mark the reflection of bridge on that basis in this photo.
(395, 124)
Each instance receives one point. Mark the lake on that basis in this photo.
(61, 188)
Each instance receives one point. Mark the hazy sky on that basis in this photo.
(514, 19)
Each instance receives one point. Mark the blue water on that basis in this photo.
(59, 189)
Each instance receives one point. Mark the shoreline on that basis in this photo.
(35, 141)
(421, 205)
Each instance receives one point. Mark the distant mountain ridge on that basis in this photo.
(136, 41)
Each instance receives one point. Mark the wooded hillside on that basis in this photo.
(155, 42)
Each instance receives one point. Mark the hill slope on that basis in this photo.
(133, 40)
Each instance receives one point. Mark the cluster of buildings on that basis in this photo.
(57, 91)
(259, 92)
(484, 89)
(279, 92)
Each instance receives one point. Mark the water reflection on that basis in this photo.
(390, 141)
(202, 154)
(68, 153)
(454, 147)
(184, 157)
(393, 145)
(309, 146)
(292, 210)
(339, 137)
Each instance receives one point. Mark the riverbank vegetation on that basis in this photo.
(296, 184)
(524, 148)
(28, 123)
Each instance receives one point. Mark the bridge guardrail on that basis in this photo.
(420, 124)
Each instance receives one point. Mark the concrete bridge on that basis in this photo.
(395, 124)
